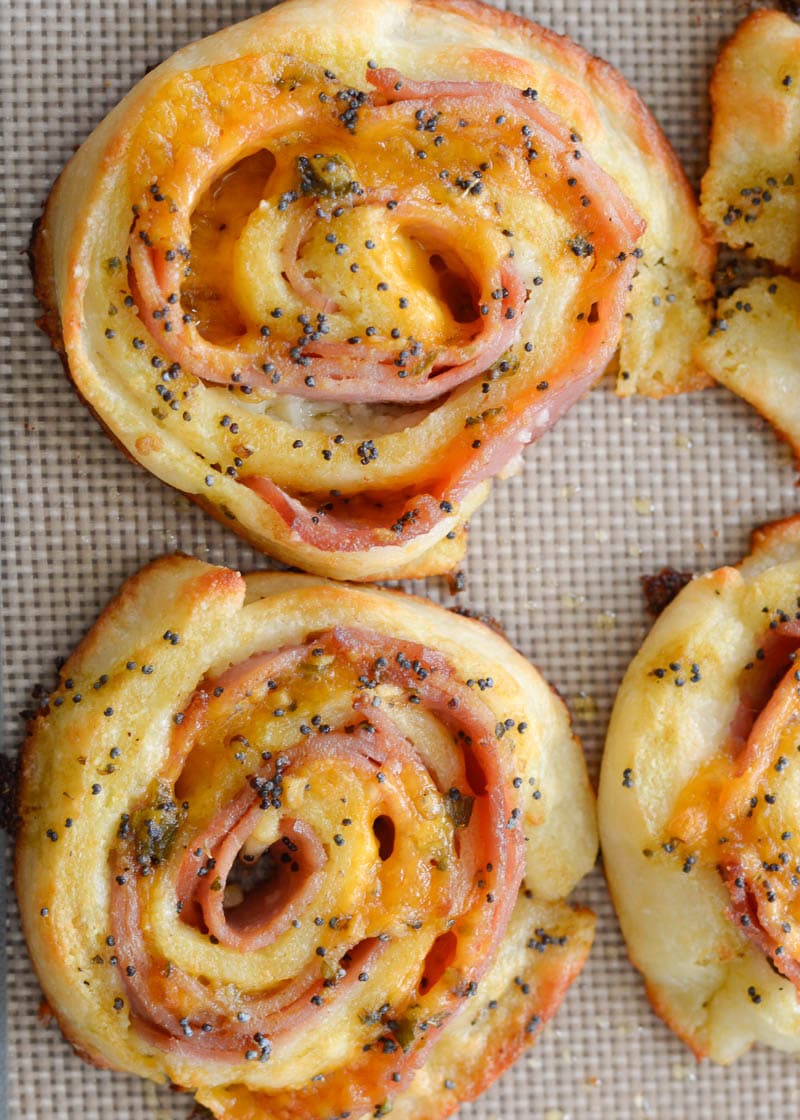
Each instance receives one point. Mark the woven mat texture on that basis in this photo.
(617, 490)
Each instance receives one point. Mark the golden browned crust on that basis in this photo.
(111, 620)
(41, 265)
(775, 535)
(40, 260)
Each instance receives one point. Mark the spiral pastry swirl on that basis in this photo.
(331, 298)
(307, 847)
(699, 804)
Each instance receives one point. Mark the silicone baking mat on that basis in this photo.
(619, 489)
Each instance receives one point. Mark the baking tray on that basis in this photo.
(618, 489)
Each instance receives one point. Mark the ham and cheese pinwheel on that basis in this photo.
(700, 804)
(301, 848)
(329, 271)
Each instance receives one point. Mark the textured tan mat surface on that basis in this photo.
(618, 489)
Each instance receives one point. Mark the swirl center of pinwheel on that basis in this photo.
(324, 272)
(390, 274)
(352, 245)
(276, 832)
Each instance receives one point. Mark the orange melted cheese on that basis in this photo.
(321, 694)
(411, 277)
(235, 280)
(742, 813)
(305, 256)
(217, 223)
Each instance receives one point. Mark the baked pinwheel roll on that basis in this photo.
(330, 270)
(754, 350)
(301, 848)
(700, 804)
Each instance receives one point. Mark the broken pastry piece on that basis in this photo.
(754, 350)
(751, 197)
(751, 191)
(700, 805)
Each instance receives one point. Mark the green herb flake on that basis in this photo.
(326, 177)
(459, 810)
(581, 247)
(405, 1030)
(156, 826)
